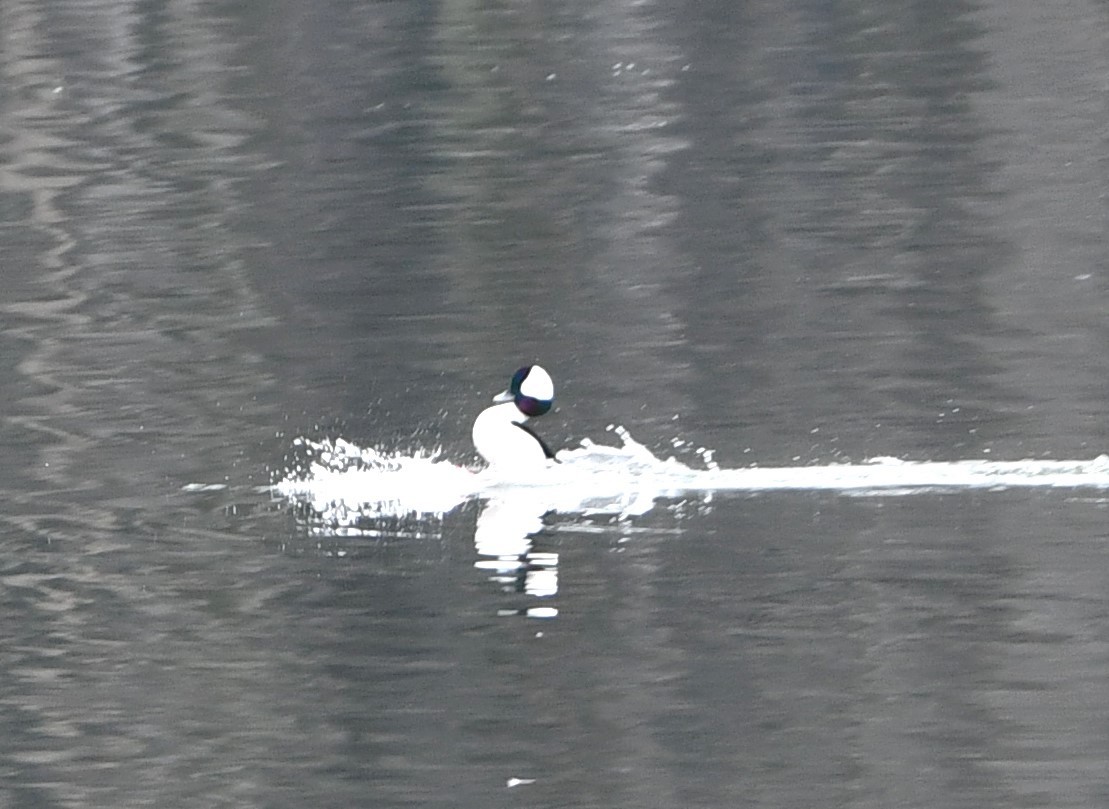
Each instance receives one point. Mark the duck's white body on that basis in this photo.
(498, 434)
(500, 441)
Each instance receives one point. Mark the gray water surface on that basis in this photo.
(793, 233)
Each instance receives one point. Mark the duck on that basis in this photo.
(501, 435)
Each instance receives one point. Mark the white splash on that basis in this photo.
(344, 483)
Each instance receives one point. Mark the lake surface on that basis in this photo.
(795, 234)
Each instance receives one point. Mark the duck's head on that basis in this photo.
(532, 390)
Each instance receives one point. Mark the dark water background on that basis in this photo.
(794, 232)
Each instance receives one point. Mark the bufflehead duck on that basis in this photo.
(500, 435)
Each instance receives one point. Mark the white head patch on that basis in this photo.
(538, 384)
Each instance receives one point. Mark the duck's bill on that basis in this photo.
(505, 396)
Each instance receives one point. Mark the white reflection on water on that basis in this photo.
(344, 489)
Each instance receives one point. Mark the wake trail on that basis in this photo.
(341, 480)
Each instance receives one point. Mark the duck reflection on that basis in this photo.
(503, 541)
(510, 522)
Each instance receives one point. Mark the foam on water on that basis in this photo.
(344, 483)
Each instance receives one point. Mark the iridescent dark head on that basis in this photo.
(532, 390)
